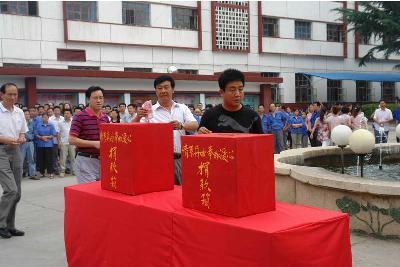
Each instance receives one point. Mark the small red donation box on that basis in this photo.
(228, 174)
(137, 158)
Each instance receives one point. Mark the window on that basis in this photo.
(184, 18)
(71, 55)
(83, 68)
(335, 33)
(27, 8)
(188, 71)
(303, 88)
(139, 69)
(270, 27)
(276, 90)
(81, 10)
(20, 65)
(335, 91)
(388, 91)
(134, 13)
(302, 30)
(363, 91)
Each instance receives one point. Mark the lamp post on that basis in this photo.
(362, 142)
(340, 136)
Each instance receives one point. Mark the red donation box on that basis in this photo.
(137, 158)
(228, 174)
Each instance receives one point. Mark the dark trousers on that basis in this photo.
(44, 159)
(314, 141)
(56, 165)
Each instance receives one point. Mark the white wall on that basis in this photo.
(110, 11)
(309, 10)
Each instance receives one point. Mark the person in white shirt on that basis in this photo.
(66, 149)
(166, 110)
(54, 119)
(123, 113)
(132, 112)
(12, 134)
(382, 117)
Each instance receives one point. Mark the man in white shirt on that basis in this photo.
(123, 113)
(132, 112)
(166, 110)
(55, 119)
(66, 150)
(382, 117)
(12, 134)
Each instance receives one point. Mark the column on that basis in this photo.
(31, 90)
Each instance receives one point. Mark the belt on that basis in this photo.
(88, 155)
(177, 155)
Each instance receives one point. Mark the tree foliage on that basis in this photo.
(379, 20)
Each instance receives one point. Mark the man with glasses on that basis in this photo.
(85, 135)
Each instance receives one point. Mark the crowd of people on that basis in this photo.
(313, 126)
(47, 148)
(60, 139)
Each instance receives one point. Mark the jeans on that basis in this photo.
(27, 153)
(278, 141)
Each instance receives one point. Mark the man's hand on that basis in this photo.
(177, 125)
(11, 141)
(141, 113)
(204, 130)
(21, 140)
(96, 144)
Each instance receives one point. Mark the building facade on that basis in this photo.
(54, 50)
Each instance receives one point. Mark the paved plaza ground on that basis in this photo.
(41, 213)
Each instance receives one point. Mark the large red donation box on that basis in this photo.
(137, 158)
(228, 174)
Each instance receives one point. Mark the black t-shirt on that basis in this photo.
(219, 120)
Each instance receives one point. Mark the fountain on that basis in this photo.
(372, 201)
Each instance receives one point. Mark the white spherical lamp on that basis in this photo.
(362, 141)
(398, 131)
(172, 69)
(340, 135)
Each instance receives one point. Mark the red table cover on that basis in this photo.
(228, 174)
(104, 228)
(134, 159)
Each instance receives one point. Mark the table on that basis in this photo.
(105, 228)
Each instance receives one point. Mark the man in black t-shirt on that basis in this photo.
(230, 116)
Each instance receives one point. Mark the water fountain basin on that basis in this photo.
(373, 204)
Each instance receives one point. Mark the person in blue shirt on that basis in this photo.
(27, 148)
(316, 114)
(44, 134)
(296, 128)
(277, 121)
(396, 116)
(264, 119)
(304, 131)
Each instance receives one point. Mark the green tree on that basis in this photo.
(379, 20)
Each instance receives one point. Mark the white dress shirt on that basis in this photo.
(12, 123)
(179, 112)
(64, 127)
(382, 115)
(54, 120)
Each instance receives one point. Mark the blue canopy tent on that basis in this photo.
(358, 76)
(380, 77)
